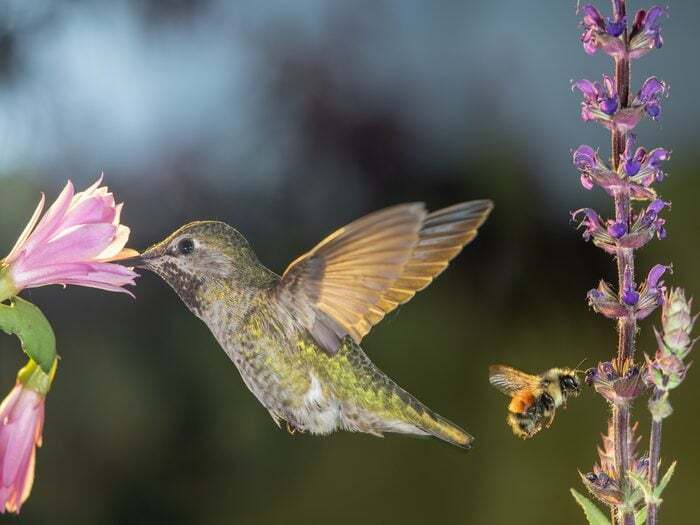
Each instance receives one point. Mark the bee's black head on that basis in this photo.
(569, 384)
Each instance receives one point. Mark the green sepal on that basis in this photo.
(33, 377)
(28, 323)
(593, 514)
(640, 517)
(660, 408)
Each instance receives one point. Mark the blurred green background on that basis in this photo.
(289, 119)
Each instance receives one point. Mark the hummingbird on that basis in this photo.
(295, 338)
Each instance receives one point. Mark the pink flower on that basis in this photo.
(73, 243)
(21, 423)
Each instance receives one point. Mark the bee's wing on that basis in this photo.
(509, 380)
(356, 275)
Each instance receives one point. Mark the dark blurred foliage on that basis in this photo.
(289, 119)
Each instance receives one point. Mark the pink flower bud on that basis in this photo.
(21, 423)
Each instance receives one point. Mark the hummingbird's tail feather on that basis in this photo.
(447, 431)
(428, 421)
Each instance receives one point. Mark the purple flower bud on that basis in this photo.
(617, 230)
(630, 297)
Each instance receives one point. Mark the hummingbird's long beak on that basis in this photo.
(137, 261)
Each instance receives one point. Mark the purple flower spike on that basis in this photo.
(646, 32)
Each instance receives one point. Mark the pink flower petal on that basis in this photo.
(27, 230)
(49, 223)
(93, 210)
(117, 245)
(78, 243)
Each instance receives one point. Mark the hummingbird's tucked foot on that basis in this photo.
(295, 339)
(294, 430)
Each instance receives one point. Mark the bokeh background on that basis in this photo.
(289, 119)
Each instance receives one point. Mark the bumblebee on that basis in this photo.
(534, 398)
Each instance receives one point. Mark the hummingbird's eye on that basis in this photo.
(185, 246)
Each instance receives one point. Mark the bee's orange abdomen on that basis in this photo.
(521, 402)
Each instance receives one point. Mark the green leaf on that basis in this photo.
(640, 517)
(28, 323)
(664, 481)
(643, 484)
(592, 512)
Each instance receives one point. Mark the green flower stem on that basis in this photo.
(654, 458)
(34, 378)
(7, 287)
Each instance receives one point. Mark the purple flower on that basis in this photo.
(601, 104)
(652, 291)
(591, 222)
(649, 97)
(594, 230)
(618, 387)
(632, 160)
(642, 166)
(599, 100)
(650, 219)
(595, 172)
(602, 34)
(646, 32)
(604, 301)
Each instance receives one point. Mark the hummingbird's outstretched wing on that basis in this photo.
(358, 274)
